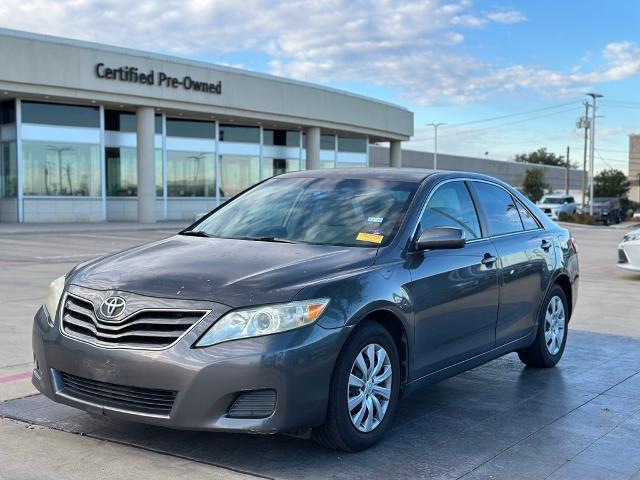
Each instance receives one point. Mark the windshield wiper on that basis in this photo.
(266, 239)
(195, 233)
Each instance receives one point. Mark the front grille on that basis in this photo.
(150, 329)
(135, 399)
(622, 257)
(256, 404)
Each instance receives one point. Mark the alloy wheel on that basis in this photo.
(554, 324)
(369, 388)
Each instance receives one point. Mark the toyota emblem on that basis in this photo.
(112, 307)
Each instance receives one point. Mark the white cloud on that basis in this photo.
(507, 17)
(415, 47)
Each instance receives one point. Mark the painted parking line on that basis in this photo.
(15, 377)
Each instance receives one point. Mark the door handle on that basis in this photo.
(546, 244)
(488, 259)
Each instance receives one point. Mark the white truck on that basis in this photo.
(555, 204)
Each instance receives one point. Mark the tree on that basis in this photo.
(534, 184)
(611, 183)
(542, 157)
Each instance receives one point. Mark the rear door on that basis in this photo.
(526, 259)
(454, 292)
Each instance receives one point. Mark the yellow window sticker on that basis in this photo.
(370, 237)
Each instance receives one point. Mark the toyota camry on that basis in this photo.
(310, 304)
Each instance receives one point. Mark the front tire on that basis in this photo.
(551, 339)
(364, 391)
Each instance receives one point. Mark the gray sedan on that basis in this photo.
(309, 304)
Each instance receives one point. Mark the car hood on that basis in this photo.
(550, 205)
(232, 272)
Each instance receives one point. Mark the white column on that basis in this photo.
(367, 151)
(165, 199)
(145, 126)
(19, 161)
(103, 168)
(261, 166)
(395, 153)
(216, 159)
(313, 148)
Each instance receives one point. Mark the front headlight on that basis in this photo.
(631, 237)
(56, 288)
(265, 320)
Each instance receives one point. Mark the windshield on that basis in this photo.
(548, 200)
(329, 211)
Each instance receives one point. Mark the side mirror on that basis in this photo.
(441, 238)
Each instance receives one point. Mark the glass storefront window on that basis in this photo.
(190, 174)
(177, 127)
(235, 133)
(8, 170)
(59, 114)
(327, 164)
(237, 173)
(352, 144)
(362, 164)
(327, 142)
(66, 169)
(118, 121)
(122, 172)
(7, 112)
(286, 138)
(277, 166)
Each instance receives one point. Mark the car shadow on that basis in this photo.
(481, 419)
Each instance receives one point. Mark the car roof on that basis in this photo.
(407, 174)
(398, 174)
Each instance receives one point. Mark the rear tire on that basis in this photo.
(551, 338)
(351, 430)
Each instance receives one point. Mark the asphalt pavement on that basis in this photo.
(578, 420)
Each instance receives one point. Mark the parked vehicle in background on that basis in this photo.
(606, 210)
(629, 251)
(554, 205)
(636, 216)
(311, 302)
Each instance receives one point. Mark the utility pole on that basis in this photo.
(592, 149)
(583, 122)
(566, 176)
(435, 143)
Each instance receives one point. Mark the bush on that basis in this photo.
(581, 218)
(534, 184)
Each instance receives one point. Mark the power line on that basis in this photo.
(613, 150)
(620, 105)
(630, 102)
(506, 124)
(490, 119)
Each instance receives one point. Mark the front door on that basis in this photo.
(454, 292)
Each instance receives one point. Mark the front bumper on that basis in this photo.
(629, 255)
(298, 365)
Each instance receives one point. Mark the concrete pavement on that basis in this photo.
(580, 420)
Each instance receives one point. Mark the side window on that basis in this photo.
(529, 222)
(500, 209)
(451, 206)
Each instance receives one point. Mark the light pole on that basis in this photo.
(59, 151)
(592, 148)
(435, 142)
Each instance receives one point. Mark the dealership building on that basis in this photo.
(91, 132)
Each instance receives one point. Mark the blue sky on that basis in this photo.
(454, 61)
